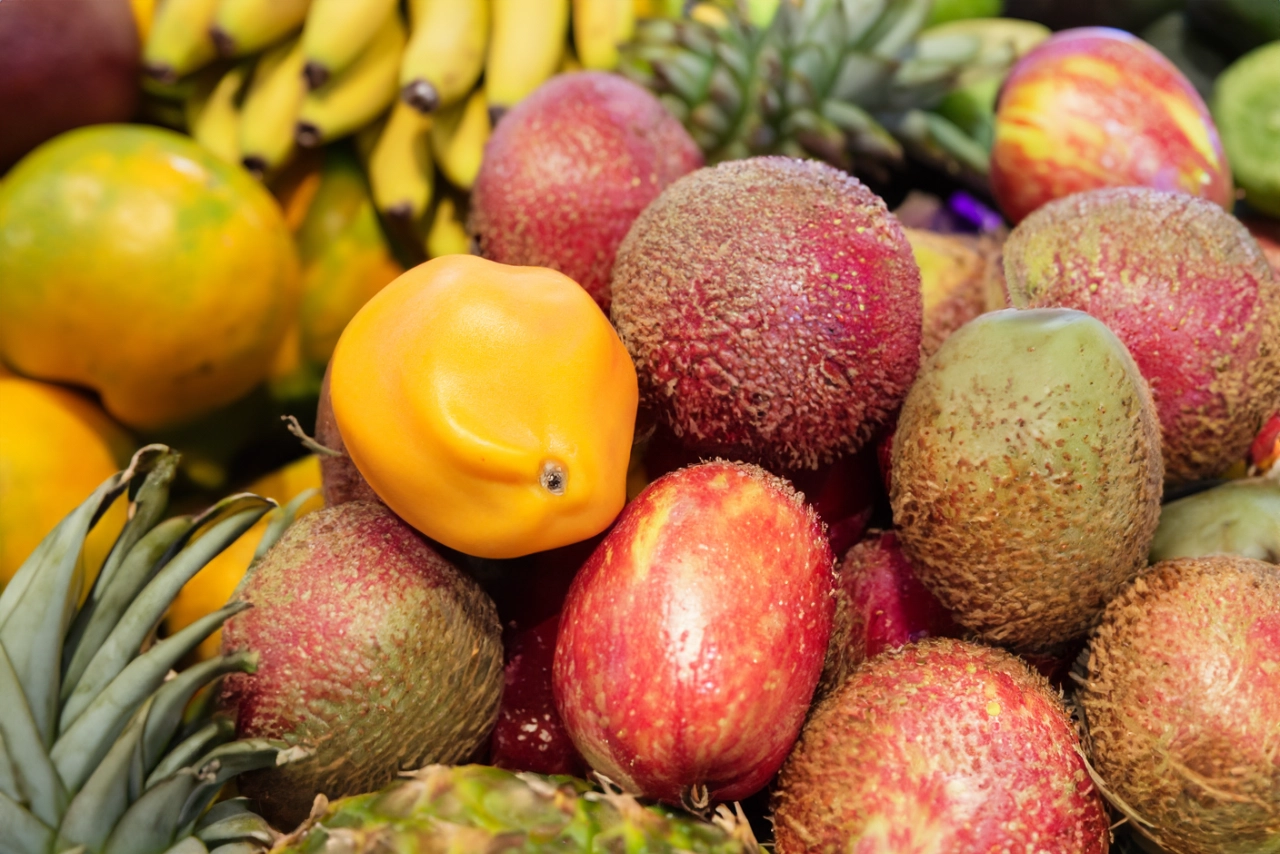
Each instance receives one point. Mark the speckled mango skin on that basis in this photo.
(692, 639)
(134, 262)
(1027, 474)
(773, 308)
(1189, 292)
(1182, 704)
(941, 747)
(373, 651)
(1097, 107)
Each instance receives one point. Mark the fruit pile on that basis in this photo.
(813, 426)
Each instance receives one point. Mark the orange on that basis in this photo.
(137, 264)
(492, 407)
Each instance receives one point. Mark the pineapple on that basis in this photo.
(102, 747)
(477, 808)
(849, 81)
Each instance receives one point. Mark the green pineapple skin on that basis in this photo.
(480, 808)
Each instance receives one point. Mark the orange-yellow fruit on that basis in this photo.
(134, 262)
(492, 407)
(56, 447)
(212, 586)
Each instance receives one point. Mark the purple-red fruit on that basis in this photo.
(692, 640)
(773, 309)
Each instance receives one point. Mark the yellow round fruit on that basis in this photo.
(137, 264)
(56, 448)
(212, 586)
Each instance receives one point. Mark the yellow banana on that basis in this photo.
(458, 136)
(270, 108)
(337, 31)
(242, 27)
(446, 52)
(358, 95)
(528, 40)
(213, 112)
(400, 169)
(179, 41)
(599, 26)
(448, 234)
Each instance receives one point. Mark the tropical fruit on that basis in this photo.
(942, 745)
(1095, 107)
(1246, 105)
(713, 594)
(1239, 517)
(569, 169)
(1187, 290)
(957, 278)
(340, 480)
(477, 808)
(1190, 758)
(62, 66)
(1027, 474)
(773, 310)
(188, 253)
(491, 407)
(56, 446)
(212, 587)
(347, 603)
(105, 747)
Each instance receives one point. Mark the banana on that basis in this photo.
(337, 31)
(528, 40)
(448, 234)
(446, 52)
(242, 27)
(213, 112)
(179, 41)
(599, 27)
(458, 136)
(271, 108)
(400, 169)
(358, 95)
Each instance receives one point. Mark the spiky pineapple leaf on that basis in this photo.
(38, 784)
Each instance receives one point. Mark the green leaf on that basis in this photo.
(223, 809)
(242, 827)
(190, 749)
(122, 645)
(37, 780)
(23, 832)
(86, 741)
(188, 845)
(150, 825)
(105, 795)
(227, 761)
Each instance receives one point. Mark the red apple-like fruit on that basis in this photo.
(567, 171)
(888, 605)
(692, 640)
(1096, 107)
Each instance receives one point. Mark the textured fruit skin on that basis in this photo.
(773, 310)
(1027, 474)
(955, 278)
(374, 651)
(568, 170)
(56, 447)
(1182, 702)
(461, 384)
(941, 746)
(193, 280)
(889, 606)
(692, 640)
(63, 65)
(1186, 288)
(1096, 107)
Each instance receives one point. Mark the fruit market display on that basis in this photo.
(639, 425)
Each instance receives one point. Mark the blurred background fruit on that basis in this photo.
(56, 446)
(139, 265)
(1246, 105)
(63, 64)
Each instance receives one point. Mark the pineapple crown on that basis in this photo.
(103, 748)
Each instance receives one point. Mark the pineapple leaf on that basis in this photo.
(86, 741)
(241, 827)
(150, 825)
(237, 848)
(23, 832)
(149, 606)
(188, 845)
(223, 809)
(166, 712)
(149, 504)
(135, 570)
(38, 782)
(227, 761)
(8, 778)
(217, 731)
